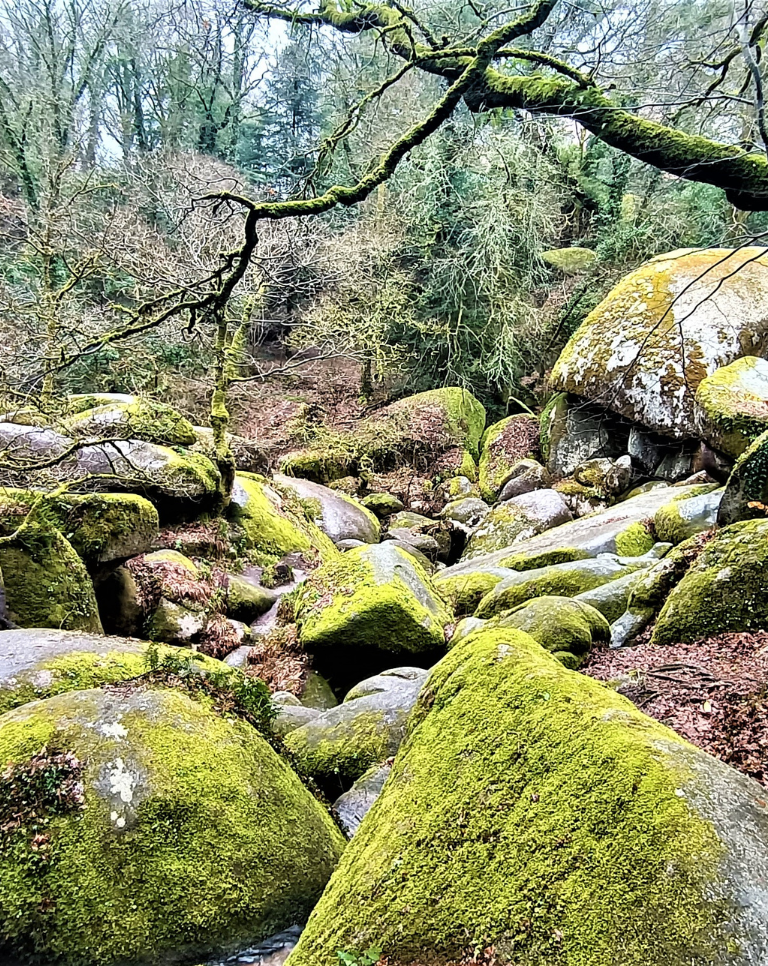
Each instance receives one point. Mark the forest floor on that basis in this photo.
(713, 692)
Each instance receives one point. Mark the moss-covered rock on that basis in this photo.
(337, 515)
(246, 601)
(503, 445)
(369, 605)
(39, 663)
(746, 492)
(732, 405)
(46, 583)
(569, 261)
(559, 624)
(681, 519)
(319, 465)
(102, 527)
(184, 842)
(533, 812)
(463, 591)
(694, 309)
(273, 523)
(517, 520)
(383, 504)
(250, 455)
(559, 580)
(141, 419)
(339, 745)
(174, 623)
(724, 589)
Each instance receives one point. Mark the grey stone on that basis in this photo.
(341, 517)
(611, 599)
(403, 679)
(467, 513)
(352, 807)
(527, 475)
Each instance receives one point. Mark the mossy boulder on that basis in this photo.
(38, 663)
(570, 261)
(503, 445)
(683, 518)
(560, 624)
(250, 456)
(537, 815)
(273, 522)
(383, 504)
(102, 527)
(746, 492)
(246, 600)
(319, 465)
(625, 528)
(141, 419)
(559, 580)
(46, 583)
(644, 351)
(180, 483)
(371, 604)
(724, 589)
(337, 515)
(732, 405)
(336, 747)
(182, 841)
(517, 520)
(463, 590)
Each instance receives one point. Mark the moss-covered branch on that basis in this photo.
(743, 175)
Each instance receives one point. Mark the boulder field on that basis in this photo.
(312, 703)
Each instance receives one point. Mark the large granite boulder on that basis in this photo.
(158, 830)
(535, 816)
(665, 327)
(338, 516)
(746, 492)
(178, 482)
(724, 589)
(140, 419)
(102, 527)
(516, 520)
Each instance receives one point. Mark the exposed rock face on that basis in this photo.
(573, 432)
(732, 405)
(503, 446)
(526, 476)
(352, 807)
(171, 810)
(682, 518)
(339, 517)
(665, 327)
(724, 590)
(630, 845)
(372, 604)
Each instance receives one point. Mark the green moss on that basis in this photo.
(636, 540)
(531, 810)
(732, 415)
(319, 465)
(202, 850)
(570, 261)
(724, 589)
(361, 601)
(345, 752)
(274, 529)
(46, 583)
(143, 419)
(463, 592)
(382, 504)
(100, 526)
(503, 445)
(187, 471)
(557, 623)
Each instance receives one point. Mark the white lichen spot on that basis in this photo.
(121, 781)
(115, 730)
(118, 819)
